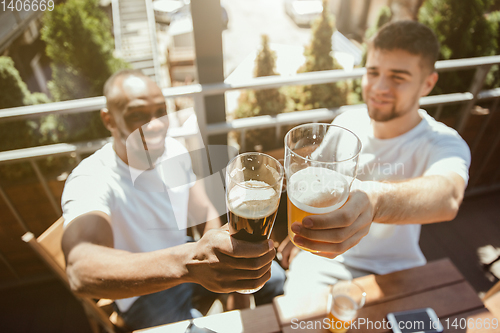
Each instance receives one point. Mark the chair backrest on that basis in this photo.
(492, 300)
(51, 241)
(48, 247)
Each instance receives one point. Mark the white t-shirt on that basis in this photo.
(430, 148)
(148, 209)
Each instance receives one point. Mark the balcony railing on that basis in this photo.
(466, 100)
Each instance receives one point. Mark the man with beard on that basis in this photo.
(413, 170)
(126, 208)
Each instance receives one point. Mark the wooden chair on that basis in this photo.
(48, 247)
(491, 300)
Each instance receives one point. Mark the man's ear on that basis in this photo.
(429, 83)
(107, 119)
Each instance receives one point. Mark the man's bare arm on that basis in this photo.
(420, 200)
(417, 201)
(201, 209)
(218, 262)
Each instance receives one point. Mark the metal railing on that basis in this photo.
(198, 92)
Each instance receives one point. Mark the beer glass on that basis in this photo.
(321, 162)
(344, 302)
(253, 191)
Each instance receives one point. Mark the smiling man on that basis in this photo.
(126, 208)
(412, 169)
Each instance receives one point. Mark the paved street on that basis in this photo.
(248, 20)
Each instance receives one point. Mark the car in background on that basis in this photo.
(303, 12)
(166, 9)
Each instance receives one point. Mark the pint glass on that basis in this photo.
(321, 162)
(253, 191)
(344, 302)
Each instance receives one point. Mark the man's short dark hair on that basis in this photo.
(410, 36)
(108, 86)
(121, 73)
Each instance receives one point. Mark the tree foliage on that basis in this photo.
(384, 16)
(261, 102)
(463, 31)
(15, 134)
(14, 90)
(266, 101)
(80, 45)
(318, 56)
(493, 79)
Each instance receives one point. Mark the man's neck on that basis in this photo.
(122, 153)
(138, 163)
(396, 127)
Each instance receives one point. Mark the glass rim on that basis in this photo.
(352, 282)
(330, 125)
(281, 170)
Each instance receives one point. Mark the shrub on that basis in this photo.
(464, 32)
(19, 133)
(318, 56)
(80, 45)
(261, 102)
(79, 42)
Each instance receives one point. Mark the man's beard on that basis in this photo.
(378, 116)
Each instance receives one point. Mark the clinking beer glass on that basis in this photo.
(253, 191)
(321, 162)
(344, 302)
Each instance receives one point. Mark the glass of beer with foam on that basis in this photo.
(321, 162)
(344, 302)
(253, 191)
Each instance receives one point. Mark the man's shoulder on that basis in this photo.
(437, 130)
(440, 136)
(96, 164)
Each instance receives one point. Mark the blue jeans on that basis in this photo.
(175, 304)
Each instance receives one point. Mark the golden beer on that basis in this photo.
(314, 191)
(338, 325)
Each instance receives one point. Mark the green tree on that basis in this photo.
(464, 31)
(15, 134)
(261, 102)
(493, 79)
(266, 101)
(318, 56)
(14, 90)
(384, 16)
(80, 45)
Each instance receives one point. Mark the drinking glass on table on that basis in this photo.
(321, 162)
(253, 191)
(346, 298)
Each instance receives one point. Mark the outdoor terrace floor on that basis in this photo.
(49, 307)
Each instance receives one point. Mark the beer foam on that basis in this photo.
(253, 199)
(318, 190)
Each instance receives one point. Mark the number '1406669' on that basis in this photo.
(471, 323)
(27, 5)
